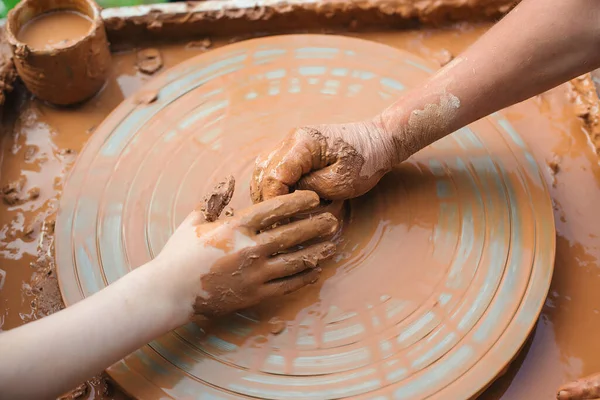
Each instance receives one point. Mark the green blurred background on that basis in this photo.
(6, 5)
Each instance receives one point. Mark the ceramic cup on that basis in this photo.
(63, 75)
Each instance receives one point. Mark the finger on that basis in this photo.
(285, 265)
(331, 183)
(299, 153)
(297, 161)
(336, 182)
(256, 180)
(295, 233)
(263, 175)
(271, 187)
(288, 285)
(583, 389)
(265, 214)
(337, 208)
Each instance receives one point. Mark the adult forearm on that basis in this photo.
(538, 45)
(92, 334)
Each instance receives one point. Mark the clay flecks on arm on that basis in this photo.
(424, 124)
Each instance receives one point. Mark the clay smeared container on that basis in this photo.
(63, 75)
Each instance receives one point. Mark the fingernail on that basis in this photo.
(330, 219)
(328, 250)
(314, 198)
(562, 395)
(328, 216)
(309, 262)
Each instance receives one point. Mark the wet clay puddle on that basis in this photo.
(43, 142)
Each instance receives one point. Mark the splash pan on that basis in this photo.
(441, 270)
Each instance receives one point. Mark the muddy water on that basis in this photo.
(44, 141)
(55, 29)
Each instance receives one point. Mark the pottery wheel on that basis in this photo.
(440, 273)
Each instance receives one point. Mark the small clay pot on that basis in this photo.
(63, 75)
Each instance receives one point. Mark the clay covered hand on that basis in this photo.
(582, 389)
(338, 161)
(239, 261)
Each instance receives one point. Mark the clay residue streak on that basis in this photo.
(433, 117)
(55, 29)
(399, 215)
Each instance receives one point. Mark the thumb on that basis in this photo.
(341, 180)
(331, 183)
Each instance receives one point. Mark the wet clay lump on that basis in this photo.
(55, 29)
(44, 143)
(215, 202)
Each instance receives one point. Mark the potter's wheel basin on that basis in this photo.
(441, 270)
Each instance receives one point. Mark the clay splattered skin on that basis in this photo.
(475, 84)
(343, 161)
(243, 253)
(337, 161)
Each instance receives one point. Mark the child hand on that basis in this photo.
(239, 261)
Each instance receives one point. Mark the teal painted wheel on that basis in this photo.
(440, 274)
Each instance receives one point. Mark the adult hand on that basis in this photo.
(582, 389)
(343, 161)
(239, 261)
(337, 162)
